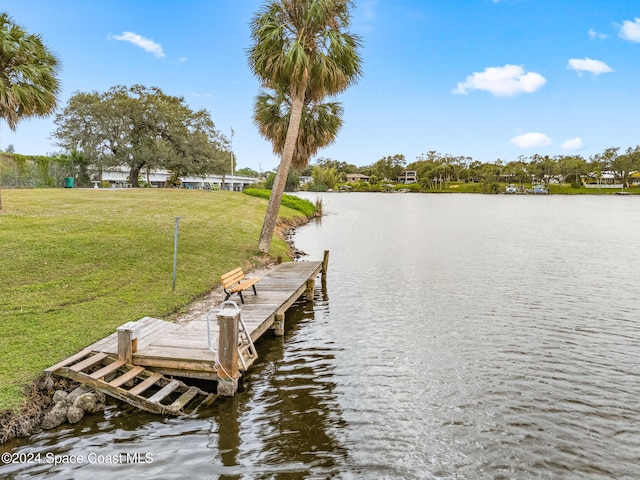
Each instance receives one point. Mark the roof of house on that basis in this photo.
(357, 175)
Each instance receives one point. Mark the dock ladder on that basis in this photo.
(247, 353)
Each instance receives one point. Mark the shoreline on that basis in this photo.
(27, 420)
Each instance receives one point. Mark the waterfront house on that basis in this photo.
(357, 177)
(408, 176)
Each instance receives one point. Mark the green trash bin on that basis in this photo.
(68, 182)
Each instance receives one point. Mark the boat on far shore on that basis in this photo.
(512, 189)
(538, 190)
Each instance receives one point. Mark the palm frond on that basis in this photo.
(28, 74)
(319, 126)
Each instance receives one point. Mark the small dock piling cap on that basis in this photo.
(227, 308)
(134, 327)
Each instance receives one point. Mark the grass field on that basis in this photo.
(75, 264)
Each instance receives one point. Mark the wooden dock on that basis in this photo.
(142, 354)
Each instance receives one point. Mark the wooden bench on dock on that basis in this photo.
(236, 282)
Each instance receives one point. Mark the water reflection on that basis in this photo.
(225, 450)
(292, 403)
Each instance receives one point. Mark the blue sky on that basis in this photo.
(489, 79)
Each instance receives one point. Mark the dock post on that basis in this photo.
(228, 373)
(278, 324)
(128, 335)
(325, 267)
(325, 262)
(311, 285)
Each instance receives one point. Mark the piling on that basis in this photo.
(278, 324)
(228, 373)
(128, 335)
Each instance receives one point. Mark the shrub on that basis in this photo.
(490, 187)
(362, 187)
(317, 187)
(302, 205)
(414, 187)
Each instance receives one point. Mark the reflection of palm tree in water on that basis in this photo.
(285, 419)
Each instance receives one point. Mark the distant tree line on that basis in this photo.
(435, 170)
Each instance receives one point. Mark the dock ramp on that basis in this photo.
(135, 385)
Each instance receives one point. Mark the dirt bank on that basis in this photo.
(37, 400)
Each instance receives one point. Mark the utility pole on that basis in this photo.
(232, 166)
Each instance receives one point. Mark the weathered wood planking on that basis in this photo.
(152, 329)
(183, 349)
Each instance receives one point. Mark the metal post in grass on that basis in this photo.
(175, 255)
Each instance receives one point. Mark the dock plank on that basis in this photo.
(164, 391)
(89, 362)
(108, 369)
(145, 384)
(70, 360)
(177, 353)
(167, 346)
(125, 377)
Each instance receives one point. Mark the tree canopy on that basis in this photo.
(301, 49)
(29, 84)
(388, 168)
(318, 128)
(140, 127)
(435, 170)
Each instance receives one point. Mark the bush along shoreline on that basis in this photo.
(304, 206)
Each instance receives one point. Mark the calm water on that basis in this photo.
(459, 337)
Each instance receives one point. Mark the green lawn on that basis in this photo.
(75, 264)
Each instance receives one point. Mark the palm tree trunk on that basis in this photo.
(271, 216)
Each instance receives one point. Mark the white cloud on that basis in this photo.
(631, 30)
(142, 42)
(573, 144)
(531, 139)
(596, 67)
(593, 34)
(502, 81)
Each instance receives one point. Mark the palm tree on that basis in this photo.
(319, 125)
(28, 75)
(303, 48)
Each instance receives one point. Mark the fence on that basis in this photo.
(23, 171)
